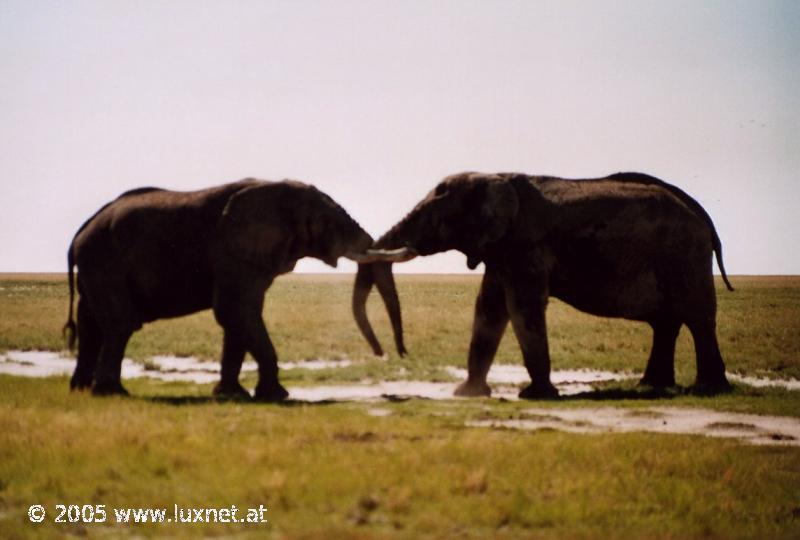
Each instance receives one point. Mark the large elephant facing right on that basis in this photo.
(628, 245)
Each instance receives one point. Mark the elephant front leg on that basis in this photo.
(233, 351)
(238, 311)
(268, 387)
(526, 299)
(491, 318)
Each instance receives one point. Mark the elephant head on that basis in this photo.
(269, 223)
(468, 212)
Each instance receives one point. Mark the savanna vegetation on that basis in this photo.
(404, 469)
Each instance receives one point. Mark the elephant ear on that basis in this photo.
(318, 238)
(251, 228)
(498, 211)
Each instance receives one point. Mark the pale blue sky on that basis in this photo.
(374, 102)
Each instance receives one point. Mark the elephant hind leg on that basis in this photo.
(90, 340)
(106, 299)
(108, 374)
(711, 377)
(660, 371)
(700, 315)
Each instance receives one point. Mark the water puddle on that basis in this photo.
(504, 378)
(568, 381)
(164, 368)
(763, 382)
(504, 381)
(35, 364)
(383, 390)
(751, 428)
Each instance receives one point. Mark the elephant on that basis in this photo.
(152, 254)
(627, 245)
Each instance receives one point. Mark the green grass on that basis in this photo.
(335, 471)
(309, 317)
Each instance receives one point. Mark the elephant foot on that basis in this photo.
(539, 391)
(231, 391)
(77, 384)
(114, 388)
(271, 393)
(711, 388)
(473, 389)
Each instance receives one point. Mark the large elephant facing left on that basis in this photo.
(152, 254)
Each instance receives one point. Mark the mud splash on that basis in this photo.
(751, 428)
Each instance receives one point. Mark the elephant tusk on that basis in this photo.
(383, 255)
(400, 255)
(361, 258)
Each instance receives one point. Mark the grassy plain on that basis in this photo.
(334, 470)
(308, 316)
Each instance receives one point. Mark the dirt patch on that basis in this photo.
(645, 413)
(751, 428)
(361, 437)
(736, 426)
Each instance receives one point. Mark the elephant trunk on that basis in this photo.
(380, 274)
(361, 290)
(402, 234)
(376, 269)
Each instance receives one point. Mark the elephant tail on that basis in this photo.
(70, 330)
(715, 241)
(718, 253)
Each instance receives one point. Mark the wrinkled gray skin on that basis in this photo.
(153, 254)
(628, 246)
